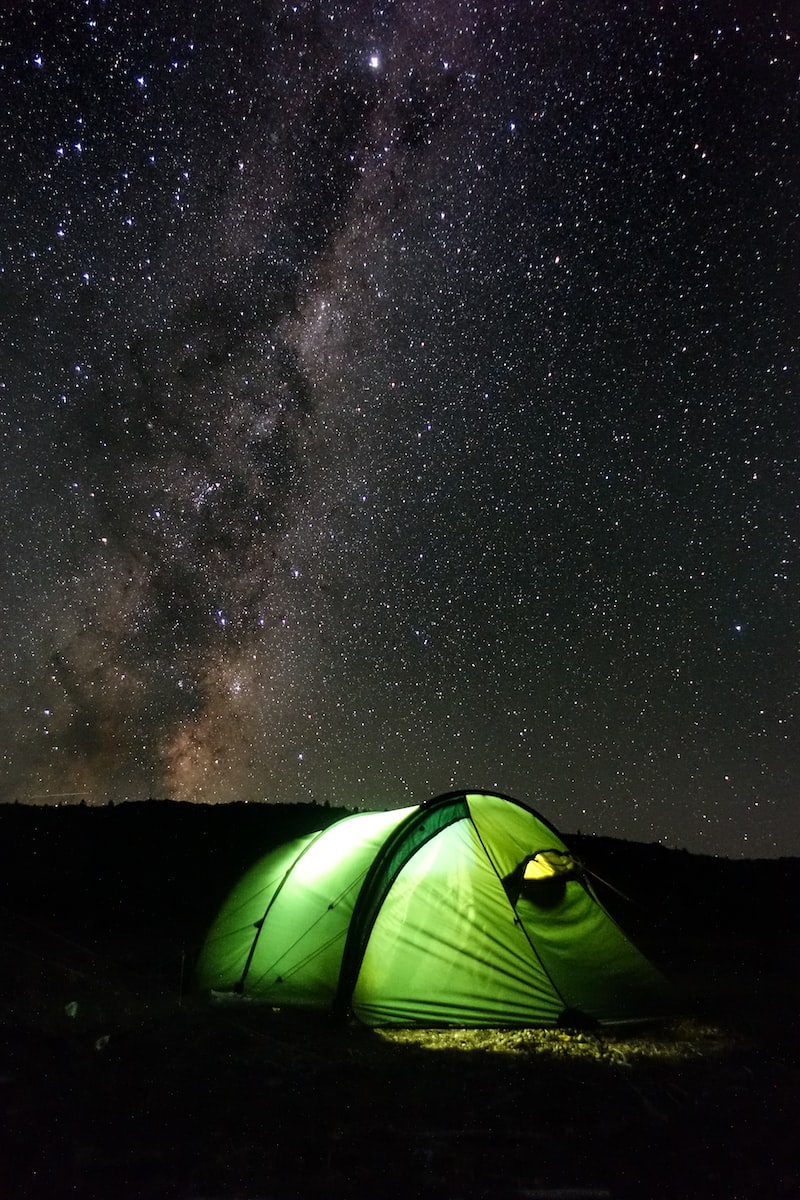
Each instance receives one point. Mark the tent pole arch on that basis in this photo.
(415, 831)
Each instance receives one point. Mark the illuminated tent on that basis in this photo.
(467, 910)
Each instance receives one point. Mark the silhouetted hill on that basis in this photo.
(722, 920)
(168, 866)
(156, 861)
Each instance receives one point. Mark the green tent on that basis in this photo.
(466, 910)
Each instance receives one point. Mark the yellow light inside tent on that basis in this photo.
(549, 864)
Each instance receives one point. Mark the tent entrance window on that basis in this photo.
(550, 864)
(545, 876)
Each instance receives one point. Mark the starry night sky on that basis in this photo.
(402, 396)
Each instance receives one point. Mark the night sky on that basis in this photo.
(398, 397)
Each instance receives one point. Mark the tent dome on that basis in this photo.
(466, 910)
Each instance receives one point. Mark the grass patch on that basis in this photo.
(678, 1041)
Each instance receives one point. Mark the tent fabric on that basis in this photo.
(468, 910)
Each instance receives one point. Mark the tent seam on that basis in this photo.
(239, 985)
(350, 967)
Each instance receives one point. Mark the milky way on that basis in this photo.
(403, 397)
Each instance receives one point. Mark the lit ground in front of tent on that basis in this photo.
(675, 1041)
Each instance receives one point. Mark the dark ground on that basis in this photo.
(116, 1081)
